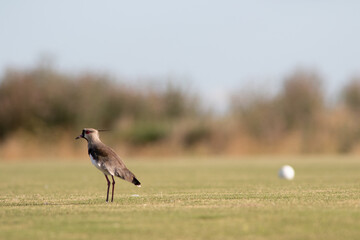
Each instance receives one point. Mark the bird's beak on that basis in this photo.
(81, 136)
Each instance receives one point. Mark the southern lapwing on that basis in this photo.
(106, 160)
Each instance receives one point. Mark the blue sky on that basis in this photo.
(216, 47)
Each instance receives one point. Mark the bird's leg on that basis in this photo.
(108, 183)
(113, 184)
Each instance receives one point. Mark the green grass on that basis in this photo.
(185, 198)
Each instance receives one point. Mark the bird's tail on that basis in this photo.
(125, 174)
(136, 182)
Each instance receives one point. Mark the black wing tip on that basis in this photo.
(136, 182)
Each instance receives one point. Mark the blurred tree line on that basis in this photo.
(299, 113)
(297, 119)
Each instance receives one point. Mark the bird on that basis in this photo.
(106, 160)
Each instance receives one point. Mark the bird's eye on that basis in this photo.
(87, 132)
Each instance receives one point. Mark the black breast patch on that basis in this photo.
(92, 152)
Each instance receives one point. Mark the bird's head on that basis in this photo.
(90, 134)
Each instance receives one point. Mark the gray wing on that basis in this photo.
(113, 163)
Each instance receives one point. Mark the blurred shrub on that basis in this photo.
(350, 96)
(147, 132)
(259, 115)
(348, 132)
(179, 102)
(301, 99)
(196, 134)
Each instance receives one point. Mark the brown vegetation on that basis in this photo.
(41, 110)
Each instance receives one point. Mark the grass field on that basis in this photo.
(188, 198)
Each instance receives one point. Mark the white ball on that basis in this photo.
(286, 172)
